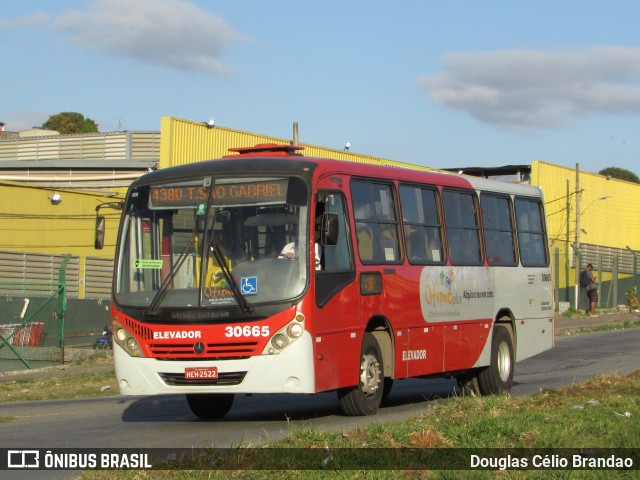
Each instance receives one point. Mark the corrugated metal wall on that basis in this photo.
(606, 213)
(184, 141)
(98, 276)
(37, 274)
(85, 147)
(608, 219)
(34, 274)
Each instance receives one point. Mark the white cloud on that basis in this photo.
(36, 19)
(173, 33)
(538, 89)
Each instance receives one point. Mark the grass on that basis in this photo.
(67, 383)
(573, 313)
(591, 414)
(600, 413)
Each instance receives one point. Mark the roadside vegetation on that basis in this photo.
(601, 413)
(70, 381)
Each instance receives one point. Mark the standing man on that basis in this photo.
(588, 283)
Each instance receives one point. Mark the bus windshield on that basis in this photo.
(183, 243)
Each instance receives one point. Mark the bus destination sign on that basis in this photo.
(175, 196)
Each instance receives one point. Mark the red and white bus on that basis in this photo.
(270, 272)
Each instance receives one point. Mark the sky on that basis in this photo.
(441, 84)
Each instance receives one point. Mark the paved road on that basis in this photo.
(165, 421)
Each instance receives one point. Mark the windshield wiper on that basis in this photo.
(245, 306)
(153, 308)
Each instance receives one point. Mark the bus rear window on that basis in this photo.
(531, 233)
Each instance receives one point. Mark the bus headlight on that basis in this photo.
(279, 341)
(295, 330)
(121, 335)
(126, 340)
(132, 344)
(286, 335)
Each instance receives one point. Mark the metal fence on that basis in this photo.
(616, 270)
(32, 323)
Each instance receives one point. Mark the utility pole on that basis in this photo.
(567, 260)
(577, 242)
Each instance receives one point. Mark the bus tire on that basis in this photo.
(365, 398)
(498, 376)
(210, 406)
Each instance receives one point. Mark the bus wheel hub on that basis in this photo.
(369, 374)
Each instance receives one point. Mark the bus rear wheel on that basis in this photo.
(365, 398)
(210, 406)
(498, 376)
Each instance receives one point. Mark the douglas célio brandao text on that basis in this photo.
(538, 461)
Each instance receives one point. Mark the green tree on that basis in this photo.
(620, 174)
(70, 122)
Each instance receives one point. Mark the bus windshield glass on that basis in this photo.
(176, 235)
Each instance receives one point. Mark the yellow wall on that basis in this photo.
(30, 223)
(607, 213)
(185, 141)
(611, 221)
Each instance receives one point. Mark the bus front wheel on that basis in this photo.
(210, 406)
(498, 376)
(365, 398)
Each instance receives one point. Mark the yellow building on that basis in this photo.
(593, 215)
(52, 187)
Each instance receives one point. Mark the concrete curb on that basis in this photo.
(605, 318)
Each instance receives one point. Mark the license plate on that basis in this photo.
(200, 373)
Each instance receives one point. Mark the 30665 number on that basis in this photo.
(246, 331)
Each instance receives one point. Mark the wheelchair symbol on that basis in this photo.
(249, 285)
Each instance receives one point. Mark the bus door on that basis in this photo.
(335, 288)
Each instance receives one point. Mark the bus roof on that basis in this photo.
(271, 158)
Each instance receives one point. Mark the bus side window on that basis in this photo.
(376, 222)
(498, 230)
(336, 270)
(335, 258)
(422, 225)
(462, 226)
(531, 233)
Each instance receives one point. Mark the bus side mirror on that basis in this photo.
(329, 229)
(99, 238)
